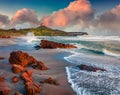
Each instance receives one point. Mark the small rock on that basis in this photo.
(90, 68)
(2, 79)
(50, 81)
(39, 66)
(17, 68)
(15, 79)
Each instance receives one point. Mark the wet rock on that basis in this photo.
(17, 68)
(90, 68)
(37, 47)
(4, 89)
(32, 88)
(15, 79)
(2, 79)
(53, 45)
(50, 81)
(21, 58)
(5, 36)
(27, 76)
(39, 66)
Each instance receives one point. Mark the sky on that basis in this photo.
(69, 15)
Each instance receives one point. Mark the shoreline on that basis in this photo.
(56, 70)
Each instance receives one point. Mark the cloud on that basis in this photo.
(25, 16)
(110, 20)
(4, 20)
(78, 12)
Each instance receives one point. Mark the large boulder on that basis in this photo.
(90, 68)
(21, 58)
(53, 45)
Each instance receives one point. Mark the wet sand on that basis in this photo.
(56, 70)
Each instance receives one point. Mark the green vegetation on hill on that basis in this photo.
(39, 31)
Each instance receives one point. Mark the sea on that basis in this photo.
(97, 51)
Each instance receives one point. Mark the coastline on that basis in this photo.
(56, 70)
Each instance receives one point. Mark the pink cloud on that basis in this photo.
(77, 12)
(25, 16)
(110, 19)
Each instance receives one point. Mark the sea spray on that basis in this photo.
(30, 37)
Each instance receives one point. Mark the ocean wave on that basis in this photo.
(111, 53)
(93, 38)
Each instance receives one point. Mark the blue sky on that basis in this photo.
(45, 7)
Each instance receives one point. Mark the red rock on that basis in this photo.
(32, 88)
(5, 36)
(39, 66)
(15, 79)
(21, 58)
(90, 68)
(4, 89)
(50, 81)
(53, 45)
(17, 68)
(27, 76)
(2, 79)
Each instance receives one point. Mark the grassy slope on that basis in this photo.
(39, 31)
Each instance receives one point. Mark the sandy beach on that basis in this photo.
(56, 70)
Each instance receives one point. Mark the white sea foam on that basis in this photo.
(108, 52)
(94, 83)
(93, 38)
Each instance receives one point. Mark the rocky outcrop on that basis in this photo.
(17, 68)
(4, 89)
(5, 36)
(15, 79)
(21, 59)
(53, 45)
(31, 87)
(90, 68)
(50, 81)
